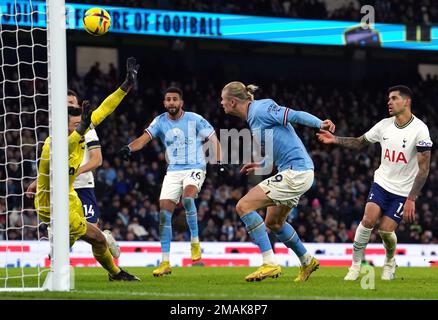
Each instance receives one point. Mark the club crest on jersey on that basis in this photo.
(392, 157)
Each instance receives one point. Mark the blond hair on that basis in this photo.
(240, 91)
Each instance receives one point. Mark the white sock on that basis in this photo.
(269, 257)
(361, 239)
(389, 242)
(165, 256)
(195, 239)
(305, 259)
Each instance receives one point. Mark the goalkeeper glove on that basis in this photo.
(87, 110)
(125, 153)
(131, 74)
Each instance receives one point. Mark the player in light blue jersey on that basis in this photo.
(183, 135)
(271, 123)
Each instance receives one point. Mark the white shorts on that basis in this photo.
(176, 181)
(286, 187)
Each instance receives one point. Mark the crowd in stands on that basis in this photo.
(128, 191)
(388, 11)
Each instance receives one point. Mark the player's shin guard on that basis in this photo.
(106, 260)
(257, 230)
(290, 238)
(389, 242)
(191, 216)
(361, 239)
(165, 232)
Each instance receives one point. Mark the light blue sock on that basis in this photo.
(257, 230)
(191, 215)
(289, 237)
(165, 230)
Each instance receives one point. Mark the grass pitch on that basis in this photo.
(227, 283)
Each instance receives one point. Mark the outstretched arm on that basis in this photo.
(135, 145)
(140, 142)
(347, 142)
(309, 120)
(114, 99)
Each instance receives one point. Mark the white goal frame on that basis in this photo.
(59, 276)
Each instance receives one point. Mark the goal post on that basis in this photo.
(57, 85)
(33, 84)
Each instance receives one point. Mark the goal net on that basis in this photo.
(33, 81)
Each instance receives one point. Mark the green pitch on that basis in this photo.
(228, 283)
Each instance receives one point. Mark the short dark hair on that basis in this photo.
(404, 91)
(73, 93)
(174, 90)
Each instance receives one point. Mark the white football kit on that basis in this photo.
(399, 165)
(86, 179)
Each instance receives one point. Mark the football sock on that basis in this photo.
(361, 239)
(289, 237)
(165, 232)
(269, 257)
(191, 216)
(257, 230)
(106, 260)
(389, 242)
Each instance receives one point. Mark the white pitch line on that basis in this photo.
(223, 296)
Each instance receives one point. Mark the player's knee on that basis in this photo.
(241, 208)
(274, 225)
(367, 222)
(188, 203)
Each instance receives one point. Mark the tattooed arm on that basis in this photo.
(347, 142)
(423, 171)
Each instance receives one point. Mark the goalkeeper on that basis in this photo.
(78, 124)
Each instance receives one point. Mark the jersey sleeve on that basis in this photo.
(423, 141)
(204, 128)
(153, 129)
(375, 133)
(107, 107)
(92, 140)
(280, 115)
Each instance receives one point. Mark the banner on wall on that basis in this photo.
(232, 27)
(144, 254)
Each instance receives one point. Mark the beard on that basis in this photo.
(173, 110)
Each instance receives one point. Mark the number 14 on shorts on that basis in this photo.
(88, 210)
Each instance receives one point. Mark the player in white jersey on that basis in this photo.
(403, 170)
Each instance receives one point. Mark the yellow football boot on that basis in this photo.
(305, 271)
(163, 269)
(196, 251)
(263, 272)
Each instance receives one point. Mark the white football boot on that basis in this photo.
(388, 272)
(353, 273)
(112, 244)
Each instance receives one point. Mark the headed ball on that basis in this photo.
(96, 21)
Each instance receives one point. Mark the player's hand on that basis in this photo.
(328, 125)
(125, 153)
(31, 190)
(87, 110)
(131, 74)
(326, 137)
(249, 168)
(409, 211)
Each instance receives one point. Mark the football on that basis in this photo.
(97, 21)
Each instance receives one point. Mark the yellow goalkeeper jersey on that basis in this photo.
(76, 147)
